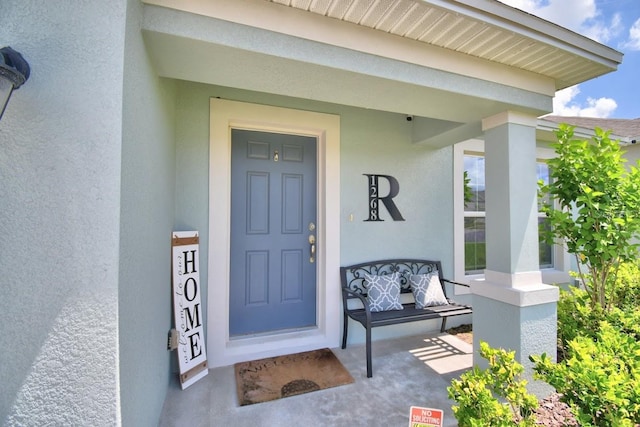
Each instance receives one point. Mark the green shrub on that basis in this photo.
(578, 317)
(480, 393)
(600, 379)
(624, 290)
(593, 206)
(626, 321)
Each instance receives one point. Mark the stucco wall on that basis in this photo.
(372, 142)
(60, 142)
(380, 143)
(531, 330)
(632, 154)
(147, 219)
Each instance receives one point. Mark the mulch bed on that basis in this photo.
(464, 332)
(554, 413)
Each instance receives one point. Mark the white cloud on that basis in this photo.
(564, 105)
(634, 36)
(528, 5)
(583, 17)
(603, 31)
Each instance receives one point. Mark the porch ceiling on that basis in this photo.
(485, 29)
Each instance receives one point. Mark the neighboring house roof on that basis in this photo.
(627, 130)
(622, 127)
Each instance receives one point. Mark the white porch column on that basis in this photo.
(513, 309)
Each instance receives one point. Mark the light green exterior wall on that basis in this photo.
(105, 172)
(147, 212)
(526, 330)
(100, 159)
(60, 148)
(88, 206)
(632, 154)
(372, 142)
(511, 199)
(380, 143)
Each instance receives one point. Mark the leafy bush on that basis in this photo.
(479, 393)
(593, 206)
(600, 379)
(624, 290)
(578, 317)
(599, 352)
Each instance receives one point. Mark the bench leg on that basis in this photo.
(444, 324)
(369, 367)
(345, 328)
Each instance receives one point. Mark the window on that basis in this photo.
(474, 213)
(546, 250)
(469, 219)
(474, 217)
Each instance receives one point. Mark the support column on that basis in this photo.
(513, 309)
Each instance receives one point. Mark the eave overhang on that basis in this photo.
(456, 62)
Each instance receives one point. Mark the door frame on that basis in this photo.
(225, 115)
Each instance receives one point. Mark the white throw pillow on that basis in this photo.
(427, 290)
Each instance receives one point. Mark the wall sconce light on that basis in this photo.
(14, 71)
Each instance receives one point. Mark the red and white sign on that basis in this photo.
(425, 417)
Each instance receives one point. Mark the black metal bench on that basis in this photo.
(353, 288)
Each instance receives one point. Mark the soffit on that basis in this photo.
(233, 43)
(485, 29)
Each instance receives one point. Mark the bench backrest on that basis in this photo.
(353, 276)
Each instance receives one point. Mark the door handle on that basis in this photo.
(312, 242)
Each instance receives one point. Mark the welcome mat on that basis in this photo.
(283, 376)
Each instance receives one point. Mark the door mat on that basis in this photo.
(283, 376)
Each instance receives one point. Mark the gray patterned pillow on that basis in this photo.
(383, 292)
(427, 290)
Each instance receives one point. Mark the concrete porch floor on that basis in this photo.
(409, 371)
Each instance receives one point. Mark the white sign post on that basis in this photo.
(187, 309)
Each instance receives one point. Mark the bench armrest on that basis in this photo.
(456, 283)
(348, 293)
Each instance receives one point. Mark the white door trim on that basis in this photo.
(222, 350)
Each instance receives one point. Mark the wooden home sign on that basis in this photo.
(187, 309)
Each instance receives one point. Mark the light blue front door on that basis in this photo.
(273, 231)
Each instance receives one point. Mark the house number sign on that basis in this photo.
(375, 198)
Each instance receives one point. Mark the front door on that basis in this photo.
(273, 231)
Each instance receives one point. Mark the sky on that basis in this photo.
(615, 23)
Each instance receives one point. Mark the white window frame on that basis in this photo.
(558, 274)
